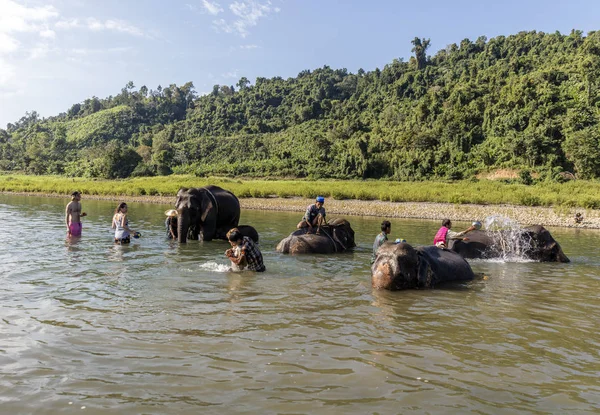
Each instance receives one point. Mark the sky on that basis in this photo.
(55, 53)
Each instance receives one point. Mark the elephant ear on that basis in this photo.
(208, 206)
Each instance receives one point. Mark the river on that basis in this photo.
(162, 328)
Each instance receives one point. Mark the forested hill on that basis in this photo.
(529, 101)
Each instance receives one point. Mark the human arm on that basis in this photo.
(307, 216)
(459, 235)
(67, 215)
(236, 259)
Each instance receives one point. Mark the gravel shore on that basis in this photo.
(552, 217)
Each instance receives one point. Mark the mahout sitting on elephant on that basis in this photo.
(206, 213)
(401, 266)
(532, 242)
(336, 236)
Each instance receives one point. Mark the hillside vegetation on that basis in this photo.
(528, 102)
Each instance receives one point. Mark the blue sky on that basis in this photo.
(55, 53)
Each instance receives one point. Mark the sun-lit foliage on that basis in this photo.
(528, 102)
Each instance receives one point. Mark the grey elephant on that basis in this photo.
(206, 213)
(401, 266)
(533, 242)
(336, 236)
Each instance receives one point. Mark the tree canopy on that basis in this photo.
(529, 101)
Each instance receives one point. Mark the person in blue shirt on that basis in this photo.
(314, 216)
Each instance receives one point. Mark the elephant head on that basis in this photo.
(336, 236)
(400, 266)
(395, 268)
(205, 213)
(533, 242)
(543, 246)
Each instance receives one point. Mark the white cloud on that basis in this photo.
(7, 71)
(48, 34)
(213, 8)
(90, 51)
(247, 13)
(113, 25)
(221, 26)
(8, 43)
(16, 18)
(230, 74)
(248, 46)
(68, 24)
(93, 24)
(40, 51)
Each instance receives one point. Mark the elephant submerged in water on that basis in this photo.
(336, 236)
(401, 266)
(532, 242)
(206, 213)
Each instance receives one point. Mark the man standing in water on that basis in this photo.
(244, 250)
(386, 228)
(73, 215)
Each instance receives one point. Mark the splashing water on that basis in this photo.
(215, 267)
(511, 242)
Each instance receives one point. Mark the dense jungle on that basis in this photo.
(528, 102)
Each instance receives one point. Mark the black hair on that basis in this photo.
(120, 206)
(446, 222)
(385, 225)
(235, 236)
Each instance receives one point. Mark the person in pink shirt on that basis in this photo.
(444, 235)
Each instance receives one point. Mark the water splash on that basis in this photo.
(511, 242)
(215, 267)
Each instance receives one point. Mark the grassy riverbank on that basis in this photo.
(573, 194)
(550, 205)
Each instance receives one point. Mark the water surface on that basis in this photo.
(162, 328)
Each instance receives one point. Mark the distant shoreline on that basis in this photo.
(524, 215)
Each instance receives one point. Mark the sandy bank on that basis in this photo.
(438, 211)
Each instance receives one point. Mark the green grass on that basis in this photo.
(585, 194)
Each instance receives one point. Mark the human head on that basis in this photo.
(447, 223)
(234, 236)
(320, 200)
(386, 225)
(232, 230)
(75, 195)
(120, 207)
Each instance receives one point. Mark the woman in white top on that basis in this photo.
(121, 225)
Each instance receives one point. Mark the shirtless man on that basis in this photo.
(73, 215)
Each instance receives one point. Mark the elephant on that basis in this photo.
(336, 236)
(533, 242)
(206, 213)
(399, 266)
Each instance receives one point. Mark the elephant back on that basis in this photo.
(437, 265)
(336, 236)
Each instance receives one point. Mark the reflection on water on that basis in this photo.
(158, 327)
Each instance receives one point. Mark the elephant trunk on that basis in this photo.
(183, 224)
